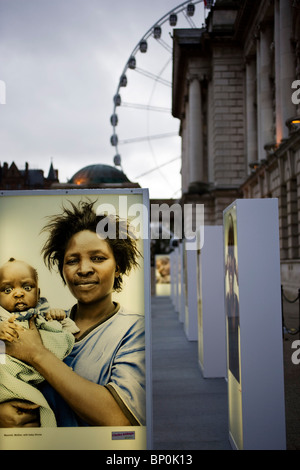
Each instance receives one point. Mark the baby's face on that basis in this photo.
(18, 287)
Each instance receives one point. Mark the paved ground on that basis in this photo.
(190, 412)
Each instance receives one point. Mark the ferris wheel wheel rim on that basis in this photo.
(178, 9)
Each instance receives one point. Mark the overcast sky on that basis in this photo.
(61, 61)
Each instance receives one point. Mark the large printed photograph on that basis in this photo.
(232, 292)
(162, 275)
(72, 312)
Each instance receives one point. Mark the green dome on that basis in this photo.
(96, 174)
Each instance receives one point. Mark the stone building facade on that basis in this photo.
(235, 91)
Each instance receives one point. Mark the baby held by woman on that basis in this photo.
(20, 302)
(19, 293)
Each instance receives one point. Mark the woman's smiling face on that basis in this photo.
(89, 267)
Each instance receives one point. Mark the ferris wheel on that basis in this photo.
(142, 102)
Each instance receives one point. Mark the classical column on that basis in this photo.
(210, 160)
(195, 144)
(287, 65)
(260, 153)
(266, 98)
(184, 155)
(279, 121)
(292, 218)
(251, 112)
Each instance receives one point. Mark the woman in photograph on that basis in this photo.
(102, 381)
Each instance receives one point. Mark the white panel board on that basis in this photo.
(254, 325)
(191, 308)
(181, 274)
(211, 314)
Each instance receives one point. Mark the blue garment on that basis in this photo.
(113, 355)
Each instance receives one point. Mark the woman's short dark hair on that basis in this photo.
(72, 220)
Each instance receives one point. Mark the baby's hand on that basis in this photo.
(8, 329)
(55, 314)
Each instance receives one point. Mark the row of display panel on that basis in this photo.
(226, 292)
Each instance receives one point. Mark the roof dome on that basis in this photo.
(95, 174)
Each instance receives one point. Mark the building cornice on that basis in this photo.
(187, 44)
